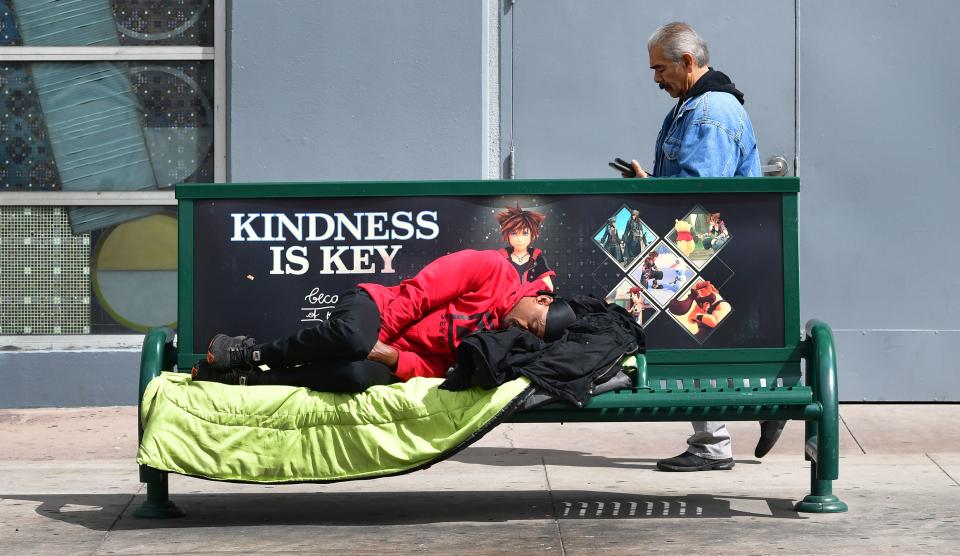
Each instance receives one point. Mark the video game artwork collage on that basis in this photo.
(663, 273)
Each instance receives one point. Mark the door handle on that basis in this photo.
(776, 166)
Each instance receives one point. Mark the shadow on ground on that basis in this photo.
(101, 511)
(505, 456)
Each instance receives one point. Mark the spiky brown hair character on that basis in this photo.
(514, 219)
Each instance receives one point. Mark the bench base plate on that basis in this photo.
(821, 505)
(158, 510)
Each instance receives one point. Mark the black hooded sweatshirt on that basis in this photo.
(713, 80)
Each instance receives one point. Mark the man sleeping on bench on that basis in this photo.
(378, 334)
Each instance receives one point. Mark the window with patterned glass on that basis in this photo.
(104, 123)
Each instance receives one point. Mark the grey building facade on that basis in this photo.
(859, 104)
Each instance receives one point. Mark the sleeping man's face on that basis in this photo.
(530, 313)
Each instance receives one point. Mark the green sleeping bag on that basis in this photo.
(277, 434)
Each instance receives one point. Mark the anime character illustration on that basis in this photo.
(634, 237)
(519, 228)
(611, 240)
(700, 309)
(699, 235)
(624, 237)
(641, 308)
(716, 235)
(662, 274)
(684, 239)
(650, 273)
(631, 297)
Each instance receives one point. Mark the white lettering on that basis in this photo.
(388, 256)
(296, 230)
(375, 221)
(275, 269)
(333, 258)
(317, 298)
(428, 224)
(268, 227)
(343, 221)
(361, 260)
(242, 230)
(402, 220)
(359, 226)
(300, 259)
(359, 256)
(328, 226)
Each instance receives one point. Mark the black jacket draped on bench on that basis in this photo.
(587, 354)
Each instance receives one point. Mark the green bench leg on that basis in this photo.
(823, 435)
(157, 355)
(821, 498)
(158, 504)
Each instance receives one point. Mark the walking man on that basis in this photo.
(707, 134)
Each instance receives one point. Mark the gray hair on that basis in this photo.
(676, 39)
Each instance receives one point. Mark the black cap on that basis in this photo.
(559, 317)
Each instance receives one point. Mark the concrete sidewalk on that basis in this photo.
(68, 485)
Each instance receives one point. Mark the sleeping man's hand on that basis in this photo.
(382, 353)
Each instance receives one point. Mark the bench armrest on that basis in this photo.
(822, 378)
(156, 355)
(640, 380)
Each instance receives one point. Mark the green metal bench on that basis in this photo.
(682, 384)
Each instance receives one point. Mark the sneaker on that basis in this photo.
(769, 434)
(692, 462)
(231, 352)
(204, 371)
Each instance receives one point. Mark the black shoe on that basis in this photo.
(204, 371)
(231, 352)
(769, 434)
(692, 462)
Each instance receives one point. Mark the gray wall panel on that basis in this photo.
(358, 90)
(878, 365)
(879, 130)
(584, 92)
(373, 89)
(69, 378)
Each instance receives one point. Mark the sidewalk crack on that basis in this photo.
(126, 506)
(846, 426)
(507, 435)
(942, 469)
(553, 506)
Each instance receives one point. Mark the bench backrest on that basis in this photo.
(266, 259)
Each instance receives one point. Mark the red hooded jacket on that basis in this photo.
(424, 317)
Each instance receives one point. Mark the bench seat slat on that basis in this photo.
(563, 414)
(701, 398)
(789, 372)
(678, 405)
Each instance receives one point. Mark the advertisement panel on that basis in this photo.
(696, 270)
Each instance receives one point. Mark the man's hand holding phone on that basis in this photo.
(630, 169)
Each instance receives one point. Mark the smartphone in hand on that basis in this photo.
(623, 167)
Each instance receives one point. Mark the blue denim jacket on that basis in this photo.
(711, 136)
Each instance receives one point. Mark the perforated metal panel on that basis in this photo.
(44, 273)
(135, 22)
